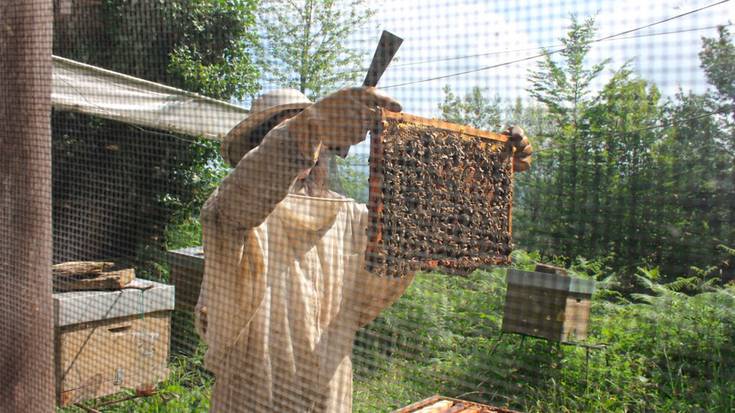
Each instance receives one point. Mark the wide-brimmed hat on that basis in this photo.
(248, 133)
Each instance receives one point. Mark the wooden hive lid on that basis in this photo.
(142, 297)
(442, 404)
(551, 282)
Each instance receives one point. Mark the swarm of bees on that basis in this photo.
(439, 197)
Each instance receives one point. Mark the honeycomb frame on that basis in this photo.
(440, 196)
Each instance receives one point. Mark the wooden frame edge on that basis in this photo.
(440, 124)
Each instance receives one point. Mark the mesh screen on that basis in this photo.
(207, 206)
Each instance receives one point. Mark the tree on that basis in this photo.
(718, 61)
(215, 55)
(620, 173)
(473, 109)
(695, 185)
(205, 46)
(564, 89)
(697, 161)
(304, 45)
(617, 212)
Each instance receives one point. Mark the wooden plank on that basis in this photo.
(419, 404)
(81, 268)
(436, 407)
(456, 408)
(187, 272)
(140, 296)
(551, 269)
(463, 130)
(109, 280)
(442, 404)
(576, 318)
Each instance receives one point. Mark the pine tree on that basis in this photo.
(563, 87)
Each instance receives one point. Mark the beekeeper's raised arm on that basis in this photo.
(293, 141)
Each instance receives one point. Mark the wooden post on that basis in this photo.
(26, 321)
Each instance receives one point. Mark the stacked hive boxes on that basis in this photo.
(107, 341)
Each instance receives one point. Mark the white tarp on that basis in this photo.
(82, 88)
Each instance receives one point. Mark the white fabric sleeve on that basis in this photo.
(261, 179)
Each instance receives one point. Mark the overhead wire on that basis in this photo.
(551, 52)
(499, 52)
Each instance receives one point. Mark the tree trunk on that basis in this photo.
(596, 216)
(26, 329)
(304, 67)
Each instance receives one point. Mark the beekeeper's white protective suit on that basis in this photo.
(285, 289)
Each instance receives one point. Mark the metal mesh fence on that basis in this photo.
(206, 208)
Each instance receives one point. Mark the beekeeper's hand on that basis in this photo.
(340, 119)
(523, 149)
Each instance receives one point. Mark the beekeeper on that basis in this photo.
(285, 289)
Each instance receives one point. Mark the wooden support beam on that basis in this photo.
(26, 325)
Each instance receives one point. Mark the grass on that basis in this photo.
(666, 351)
(187, 389)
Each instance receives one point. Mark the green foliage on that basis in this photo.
(473, 109)
(202, 173)
(620, 172)
(215, 55)
(718, 58)
(352, 174)
(670, 352)
(564, 87)
(304, 43)
(205, 46)
(164, 188)
(665, 351)
(694, 185)
(193, 176)
(186, 389)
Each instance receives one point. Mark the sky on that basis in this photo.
(439, 31)
(444, 37)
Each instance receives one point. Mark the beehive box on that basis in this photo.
(440, 196)
(441, 404)
(187, 272)
(551, 306)
(107, 341)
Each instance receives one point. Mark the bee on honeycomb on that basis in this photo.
(440, 195)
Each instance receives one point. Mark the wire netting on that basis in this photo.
(206, 208)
